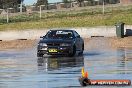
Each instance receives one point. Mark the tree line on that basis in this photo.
(9, 3)
(14, 3)
(45, 2)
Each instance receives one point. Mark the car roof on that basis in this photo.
(61, 30)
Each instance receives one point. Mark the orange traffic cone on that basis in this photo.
(84, 74)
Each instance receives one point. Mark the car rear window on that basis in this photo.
(60, 34)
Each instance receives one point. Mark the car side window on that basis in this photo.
(76, 34)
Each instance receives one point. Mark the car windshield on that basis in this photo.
(60, 34)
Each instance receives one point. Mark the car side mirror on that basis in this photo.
(42, 36)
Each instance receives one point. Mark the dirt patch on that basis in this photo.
(90, 43)
(107, 43)
(121, 42)
(17, 44)
(96, 43)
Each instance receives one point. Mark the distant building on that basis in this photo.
(126, 1)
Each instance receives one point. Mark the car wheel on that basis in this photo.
(73, 51)
(39, 55)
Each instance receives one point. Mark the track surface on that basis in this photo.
(22, 69)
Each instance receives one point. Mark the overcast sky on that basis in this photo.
(30, 2)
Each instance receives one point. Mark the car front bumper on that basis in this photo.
(64, 50)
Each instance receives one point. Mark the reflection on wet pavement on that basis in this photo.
(24, 70)
(54, 63)
(60, 70)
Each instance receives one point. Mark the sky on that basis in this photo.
(30, 2)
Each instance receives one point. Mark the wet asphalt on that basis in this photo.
(22, 69)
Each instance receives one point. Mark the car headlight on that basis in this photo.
(42, 44)
(65, 44)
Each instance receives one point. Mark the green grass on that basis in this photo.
(82, 18)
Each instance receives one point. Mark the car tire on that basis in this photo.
(82, 50)
(39, 55)
(73, 51)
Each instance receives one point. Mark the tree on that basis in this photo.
(65, 1)
(80, 1)
(42, 2)
(9, 3)
(110, 1)
(1, 4)
(113, 1)
(19, 1)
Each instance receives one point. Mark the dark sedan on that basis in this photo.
(60, 42)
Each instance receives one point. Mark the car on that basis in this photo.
(60, 42)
